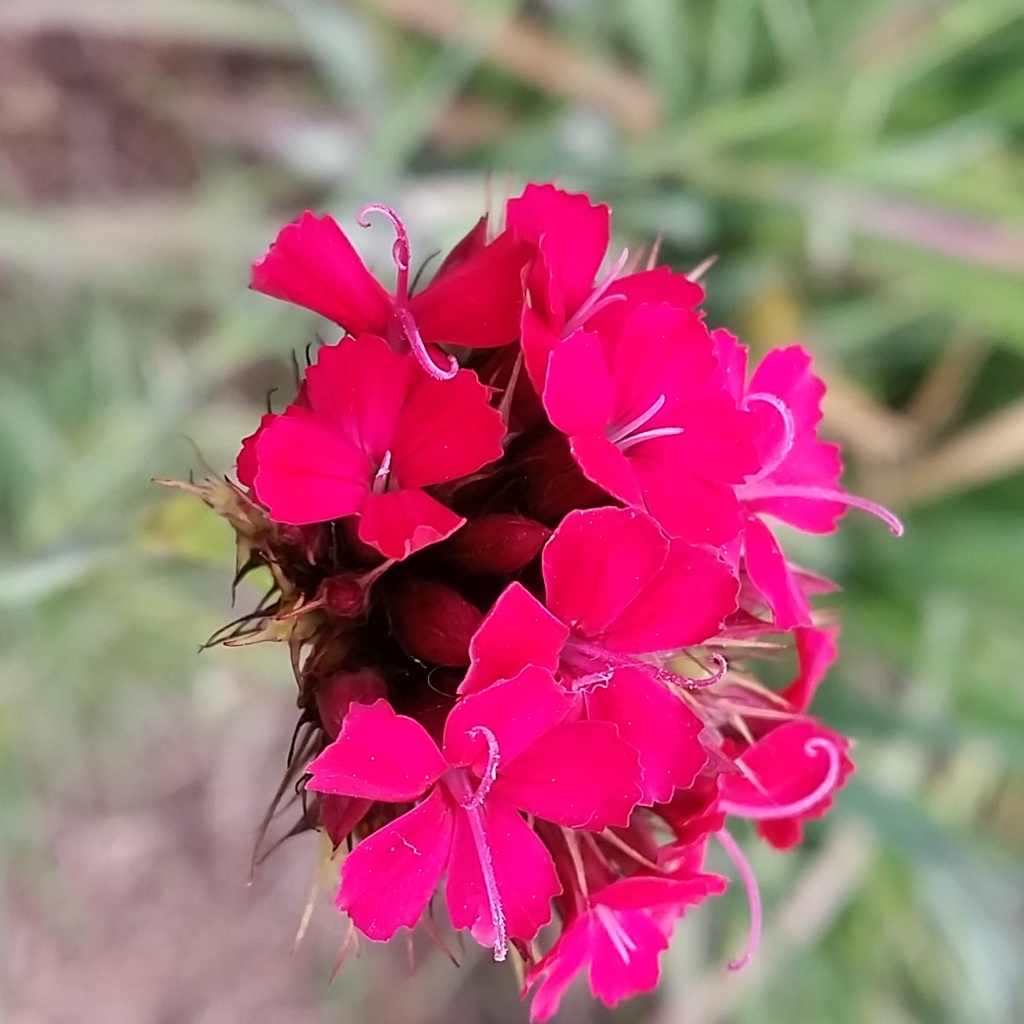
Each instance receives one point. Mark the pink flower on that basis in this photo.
(617, 588)
(507, 750)
(508, 606)
(786, 777)
(475, 299)
(375, 433)
(619, 938)
(798, 478)
(571, 237)
(649, 421)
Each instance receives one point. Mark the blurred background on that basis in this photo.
(858, 169)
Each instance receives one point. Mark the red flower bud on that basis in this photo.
(338, 815)
(343, 689)
(346, 596)
(436, 623)
(500, 544)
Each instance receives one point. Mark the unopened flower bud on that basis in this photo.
(436, 623)
(346, 596)
(499, 544)
(340, 691)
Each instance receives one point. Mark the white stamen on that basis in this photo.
(619, 434)
(750, 492)
(380, 480)
(623, 944)
(597, 299)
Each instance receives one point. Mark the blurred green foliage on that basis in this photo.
(858, 171)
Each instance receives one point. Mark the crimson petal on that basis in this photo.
(378, 755)
(313, 264)
(578, 774)
(388, 879)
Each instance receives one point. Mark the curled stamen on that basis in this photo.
(721, 667)
(592, 681)
(380, 480)
(618, 935)
(597, 299)
(823, 494)
(786, 445)
(399, 248)
(795, 807)
(620, 434)
(746, 874)
(477, 797)
(419, 348)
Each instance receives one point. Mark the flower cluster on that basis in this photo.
(519, 527)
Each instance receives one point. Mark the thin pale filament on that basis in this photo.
(721, 667)
(804, 804)
(623, 944)
(617, 435)
(786, 445)
(491, 769)
(399, 248)
(703, 267)
(419, 348)
(597, 299)
(649, 435)
(483, 852)
(380, 480)
(746, 874)
(762, 491)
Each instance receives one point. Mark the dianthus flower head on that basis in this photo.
(526, 594)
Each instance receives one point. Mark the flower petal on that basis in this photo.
(571, 232)
(685, 603)
(648, 286)
(685, 506)
(516, 632)
(559, 966)
(388, 879)
(378, 755)
(578, 391)
(661, 353)
(578, 774)
(658, 724)
(537, 339)
(399, 523)
(313, 264)
(605, 465)
(817, 650)
(308, 472)
(769, 572)
(359, 388)
(596, 563)
(790, 774)
(447, 429)
(247, 465)
(523, 870)
(516, 711)
(478, 301)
